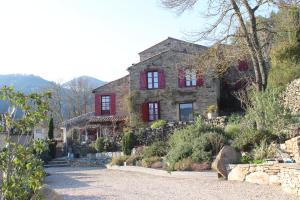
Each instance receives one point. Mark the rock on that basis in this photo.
(261, 178)
(48, 194)
(237, 174)
(274, 180)
(227, 155)
(157, 165)
(201, 166)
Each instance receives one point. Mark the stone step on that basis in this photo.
(57, 165)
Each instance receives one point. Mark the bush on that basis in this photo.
(183, 165)
(99, 144)
(26, 171)
(235, 119)
(127, 142)
(264, 151)
(132, 160)
(156, 149)
(158, 124)
(119, 160)
(232, 131)
(246, 159)
(147, 162)
(198, 141)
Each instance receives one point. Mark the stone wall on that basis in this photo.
(286, 175)
(147, 136)
(120, 88)
(291, 96)
(170, 44)
(292, 147)
(172, 95)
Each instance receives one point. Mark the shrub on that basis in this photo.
(147, 162)
(158, 124)
(132, 160)
(232, 130)
(263, 151)
(246, 159)
(127, 142)
(235, 119)
(156, 149)
(99, 144)
(198, 141)
(212, 109)
(119, 160)
(183, 165)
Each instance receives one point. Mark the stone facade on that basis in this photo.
(291, 96)
(119, 88)
(171, 56)
(285, 175)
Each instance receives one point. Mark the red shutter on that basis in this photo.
(158, 108)
(200, 79)
(181, 78)
(143, 80)
(243, 65)
(161, 79)
(113, 104)
(97, 104)
(145, 112)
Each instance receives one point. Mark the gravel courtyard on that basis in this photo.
(104, 184)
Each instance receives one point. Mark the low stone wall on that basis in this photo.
(286, 175)
(292, 147)
(146, 136)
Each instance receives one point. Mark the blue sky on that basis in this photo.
(62, 39)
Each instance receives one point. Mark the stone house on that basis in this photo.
(164, 84)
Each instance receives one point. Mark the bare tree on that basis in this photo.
(237, 21)
(79, 97)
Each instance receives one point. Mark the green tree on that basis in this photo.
(52, 142)
(285, 56)
(21, 178)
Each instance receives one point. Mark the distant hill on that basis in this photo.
(32, 83)
(24, 83)
(93, 82)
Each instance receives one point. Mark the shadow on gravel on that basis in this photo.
(82, 197)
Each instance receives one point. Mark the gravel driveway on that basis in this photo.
(92, 183)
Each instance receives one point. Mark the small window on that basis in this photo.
(190, 78)
(105, 105)
(186, 112)
(153, 111)
(152, 80)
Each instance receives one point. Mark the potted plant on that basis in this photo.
(211, 111)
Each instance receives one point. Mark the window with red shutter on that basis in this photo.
(105, 105)
(161, 79)
(143, 80)
(153, 109)
(181, 78)
(97, 104)
(113, 104)
(145, 112)
(243, 65)
(200, 79)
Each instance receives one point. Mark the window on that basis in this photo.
(153, 111)
(186, 112)
(105, 104)
(152, 80)
(190, 78)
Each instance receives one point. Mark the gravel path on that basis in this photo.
(91, 183)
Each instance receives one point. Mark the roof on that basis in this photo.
(151, 58)
(174, 39)
(110, 118)
(94, 90)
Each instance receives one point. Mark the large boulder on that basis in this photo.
(260, 178)
(48, 194)
(238, 174)
(227, 155)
